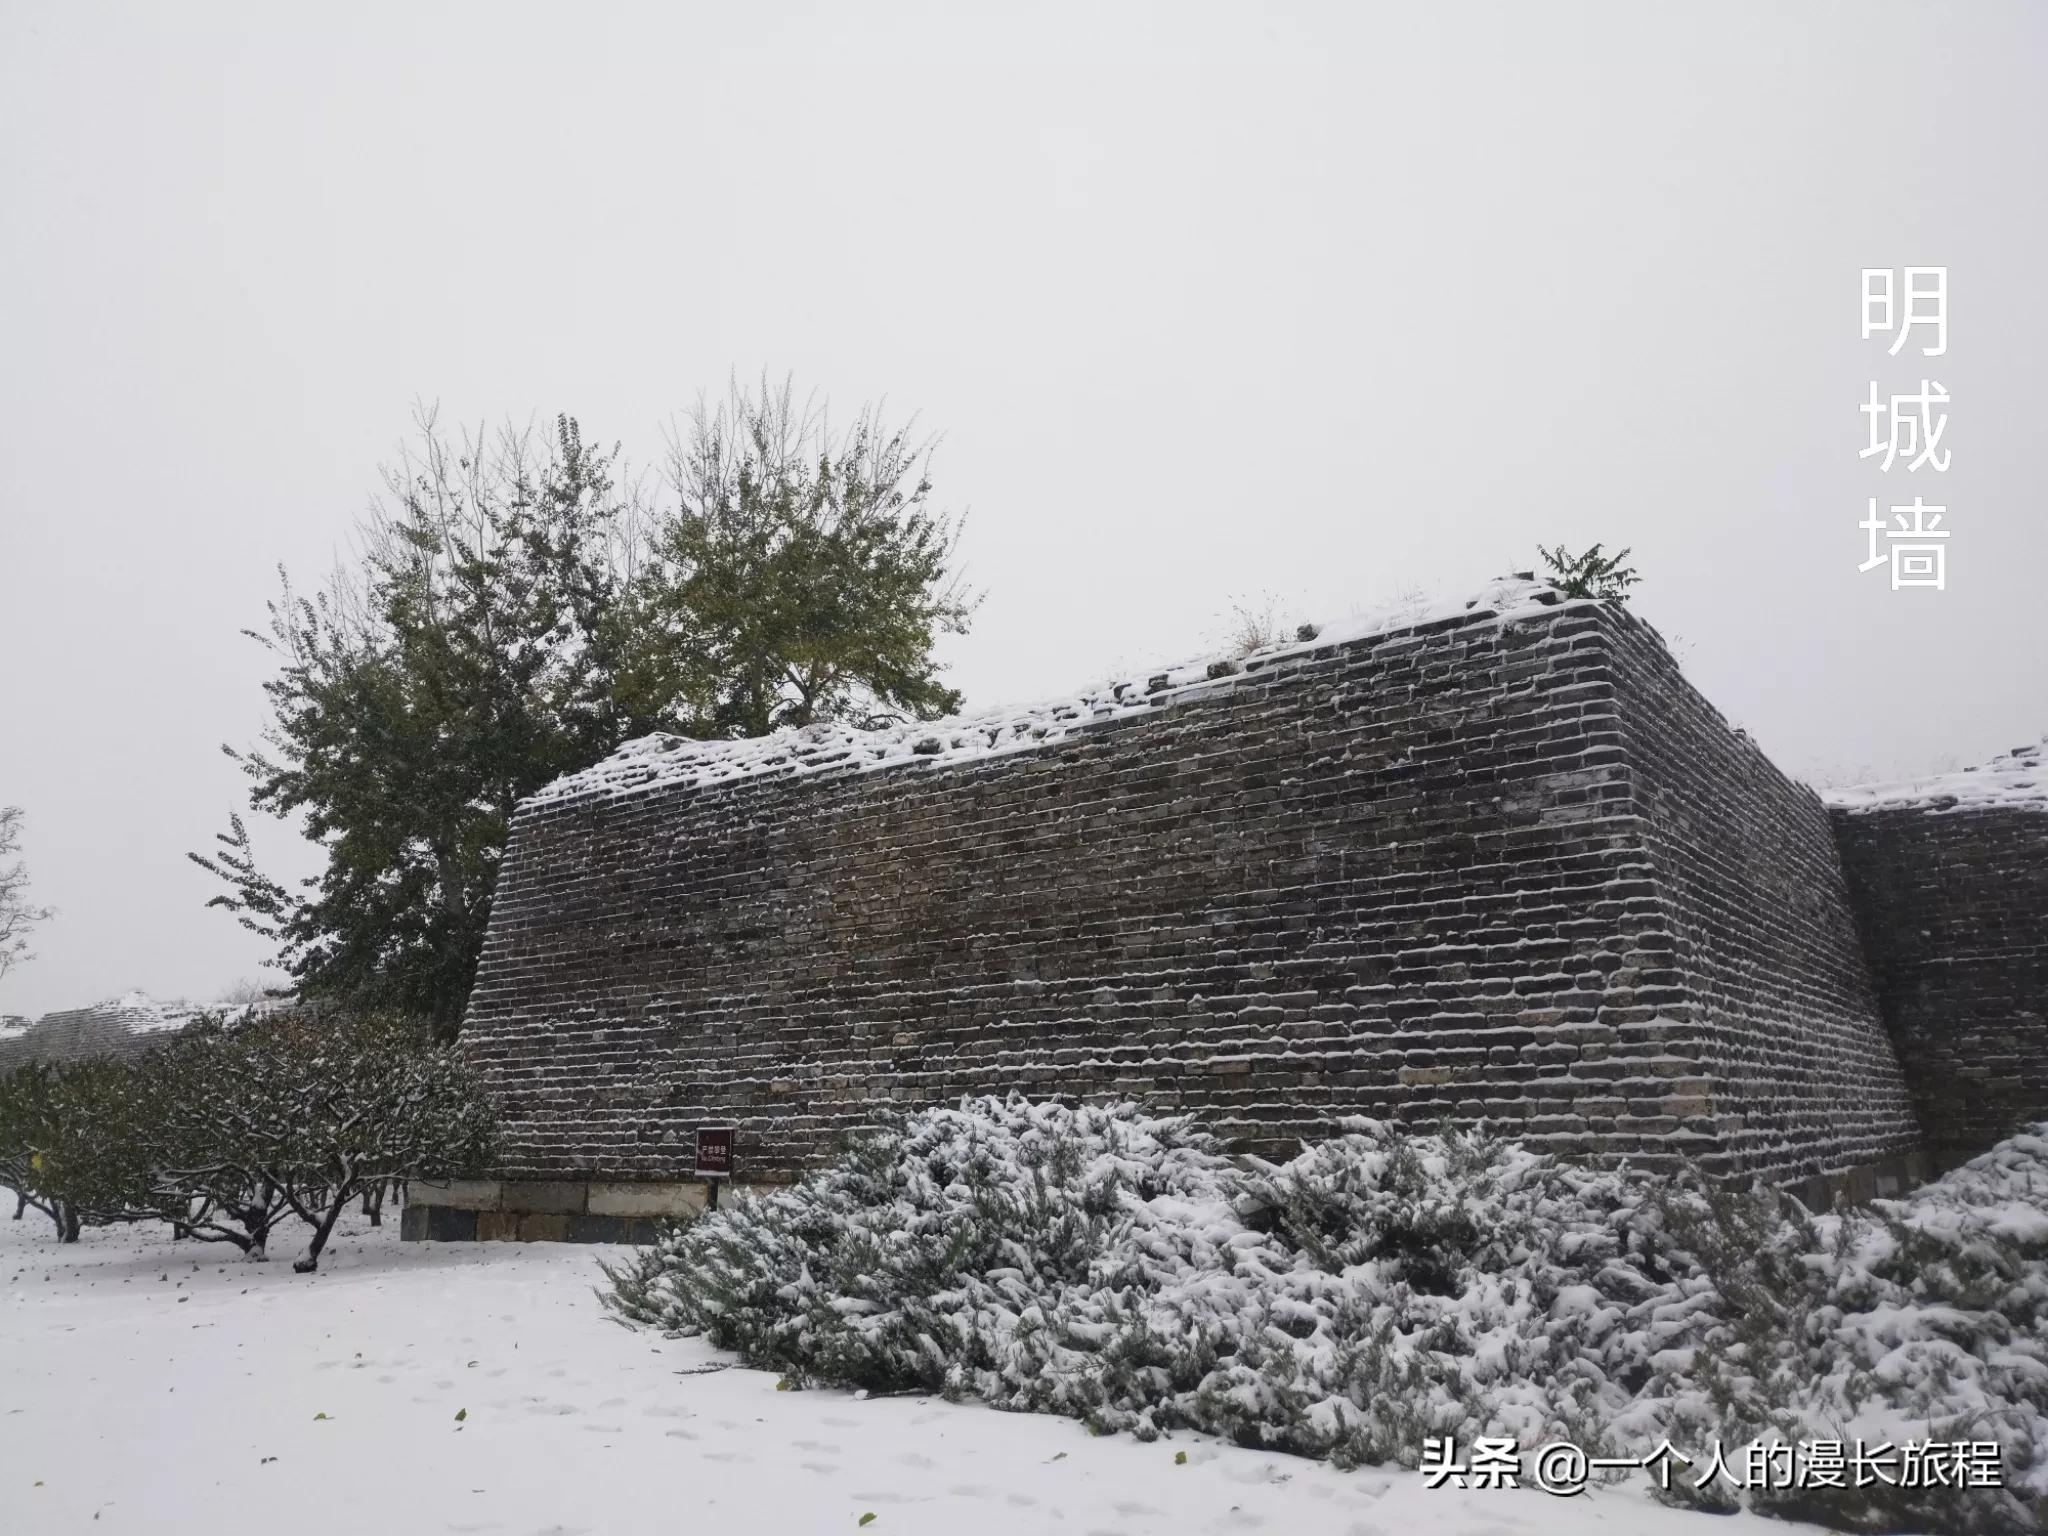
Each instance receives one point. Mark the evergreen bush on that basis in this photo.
(1382, 1287)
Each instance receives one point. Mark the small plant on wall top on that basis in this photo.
(1591, 574)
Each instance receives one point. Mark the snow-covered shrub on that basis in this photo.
(1927, 1318)
(305, 1111)
(1118, 1266)
(1462, 1285)
(941, 1255)
(73, 1142)
(239, 1120)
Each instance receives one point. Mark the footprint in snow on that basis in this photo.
(1263, 1474)
(728, 1456)
(815, 1445)
(820, 1468)
(912, 1459)
(682, 1434)
(671, 1411)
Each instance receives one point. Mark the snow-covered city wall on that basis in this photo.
(1949, 878)
(117, 1026)
(1786, 1026)
(1500, 865)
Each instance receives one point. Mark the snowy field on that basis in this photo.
(151, 1386)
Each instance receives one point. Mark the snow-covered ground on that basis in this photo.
(159, 1387)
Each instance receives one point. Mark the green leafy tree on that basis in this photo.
(1590, 574)
(802, 575)
(520, 609)
(465, 665)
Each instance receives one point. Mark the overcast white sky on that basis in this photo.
(1210, 302)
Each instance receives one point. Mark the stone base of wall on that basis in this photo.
(572, 1211)
(560, 1211)
(1885, 1180)
(450, 1224)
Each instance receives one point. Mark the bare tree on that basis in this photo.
(17, 913)
(247, 993)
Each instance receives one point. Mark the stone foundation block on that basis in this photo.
(438, 1224)
(543, 1198)
(676, 1199)
(464, 1194)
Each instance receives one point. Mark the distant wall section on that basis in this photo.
(125, 1026)
(1953, 906)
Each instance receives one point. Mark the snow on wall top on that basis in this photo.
(118, 1025)
(660, 760)
(138, 1013)
(2014, 780)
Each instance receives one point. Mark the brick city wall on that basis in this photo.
(1953, 906)
(114, 1028)
(1785, 1023)
(1467, 871)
